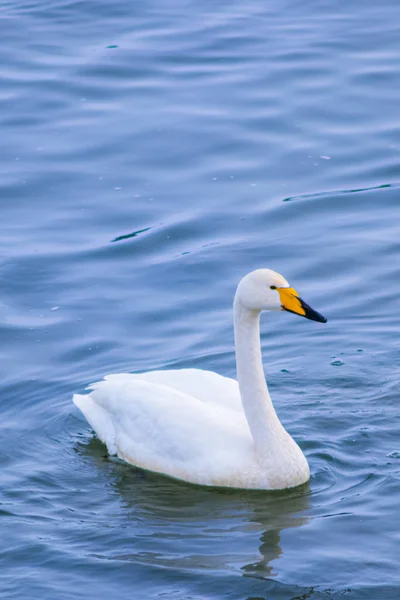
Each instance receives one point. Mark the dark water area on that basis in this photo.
(151, 154)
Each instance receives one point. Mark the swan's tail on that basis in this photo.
(99, 419)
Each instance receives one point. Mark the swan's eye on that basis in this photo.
(272, 287)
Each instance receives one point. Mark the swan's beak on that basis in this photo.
(291, 301)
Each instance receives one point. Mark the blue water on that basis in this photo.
(152, 153)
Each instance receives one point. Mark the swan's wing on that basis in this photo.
(206, 386)
(164, 430)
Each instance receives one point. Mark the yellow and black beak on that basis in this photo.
(291, 301)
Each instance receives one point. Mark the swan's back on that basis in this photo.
(206, 386)
(188, 424)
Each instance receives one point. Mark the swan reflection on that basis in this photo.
(185, 527)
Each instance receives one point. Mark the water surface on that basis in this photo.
(151, 154)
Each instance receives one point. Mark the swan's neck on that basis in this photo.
(260, 413)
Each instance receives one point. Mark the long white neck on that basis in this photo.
(260, 413)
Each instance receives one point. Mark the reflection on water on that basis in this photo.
(187, 515)
(281, 512)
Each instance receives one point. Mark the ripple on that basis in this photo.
(150, 156)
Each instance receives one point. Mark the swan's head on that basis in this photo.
(267, 290)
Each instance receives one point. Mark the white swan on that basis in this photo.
(201, 427)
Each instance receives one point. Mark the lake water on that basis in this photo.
(152, 153)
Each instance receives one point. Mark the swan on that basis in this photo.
(201, 427)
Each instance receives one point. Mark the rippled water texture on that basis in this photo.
(151, 153)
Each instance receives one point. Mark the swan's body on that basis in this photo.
(201, 427)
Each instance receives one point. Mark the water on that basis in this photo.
(150, 155)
